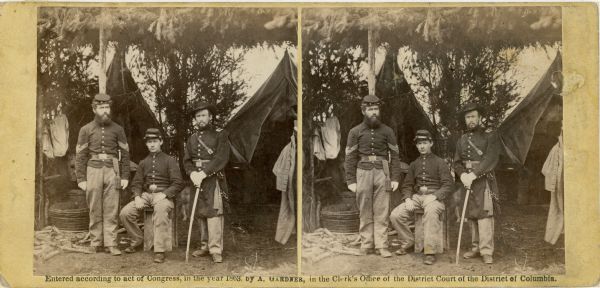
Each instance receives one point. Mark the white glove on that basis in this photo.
(82, 185)
(352, 187)
(394, 185)
(409, 204)
(196, 179)
(124, 183)
(465, 179)
(139, 202)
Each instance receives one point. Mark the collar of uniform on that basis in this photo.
(155, 154)
(475, 130)
(425, 156)
(205, 128)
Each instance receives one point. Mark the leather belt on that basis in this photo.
(200, 162)
(372, 158)
(102, 156)
(470, 164)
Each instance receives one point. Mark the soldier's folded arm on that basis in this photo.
(82, 155)
(138, 180)
(408, 184)
(176, 184)
(446, 181)
(122, 140)
(221, 156)
(395, 170)
(351, 160)
(492, 154)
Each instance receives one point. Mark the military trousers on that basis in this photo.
(211, 229)
(103, 201)
(402, 217)
(374, 205)
(482, 235)
(161, 216)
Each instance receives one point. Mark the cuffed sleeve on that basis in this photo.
(176, 180)
(446, 180)
(82, 154)
(221, 156)
(351, 160)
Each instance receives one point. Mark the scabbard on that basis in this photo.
(386, 171)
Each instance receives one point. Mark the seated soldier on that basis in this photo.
(156, 182)
(426, 185)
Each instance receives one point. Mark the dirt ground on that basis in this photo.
(520, 249)
(253, 252)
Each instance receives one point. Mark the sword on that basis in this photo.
(187, 249)
(462, 220)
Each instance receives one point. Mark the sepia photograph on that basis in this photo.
(166, 141)
(433, 141)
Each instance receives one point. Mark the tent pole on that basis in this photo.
(102, 56)
(371, 59)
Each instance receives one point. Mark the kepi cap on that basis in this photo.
(423, 135)
(101, 98)
(152, 133)
(370, 100)
(471, 107)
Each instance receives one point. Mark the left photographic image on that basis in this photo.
(166, 141)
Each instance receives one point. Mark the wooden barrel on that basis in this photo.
(69, 216)
(340, 221)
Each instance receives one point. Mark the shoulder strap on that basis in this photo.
(479, 152)
(210, 151)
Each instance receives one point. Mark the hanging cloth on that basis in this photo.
(59, 131)
(331, 137)
(318, 149)
(554, 182)
(47, 142)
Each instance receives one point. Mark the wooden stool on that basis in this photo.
(149, 228)
(419, 231)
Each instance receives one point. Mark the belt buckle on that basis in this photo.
(423, 189)
(372, 158)
(102, 156)
(198, 164)
(469, 165)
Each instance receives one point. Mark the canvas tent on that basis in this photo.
(273, 102)
(532, 128)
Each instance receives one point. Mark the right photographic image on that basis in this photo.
(433, 141)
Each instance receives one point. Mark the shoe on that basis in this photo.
(159, 257)
(132, 249)
(97, 249)
(392, 232)
(366, 251)
(404, 250)
(217, 258)
(429, 259)
(487, 259)
(471, 254)
(200, 253)
(114, 251)
(385, 253)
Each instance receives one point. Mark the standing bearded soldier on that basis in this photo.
(476, 156)
(99, 145)
(206, 154)
(372, 161)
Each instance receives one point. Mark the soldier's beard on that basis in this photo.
(103, 118)
(373, 121)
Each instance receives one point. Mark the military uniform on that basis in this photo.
(372, 161)
(427, 175)
(157, 173)
(208, 150)
(478, 151)
(97, 145)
